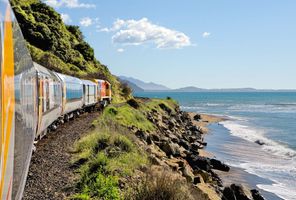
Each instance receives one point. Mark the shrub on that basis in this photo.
(123, 143)
(126, 90)
(162, 185)
(133, 103)
(86, 50)
(113, 111)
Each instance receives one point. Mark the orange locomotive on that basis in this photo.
(104, 93)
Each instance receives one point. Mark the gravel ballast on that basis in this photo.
(50, 174)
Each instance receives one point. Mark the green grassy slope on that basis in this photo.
(57, 46)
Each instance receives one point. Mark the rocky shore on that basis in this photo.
(178, 144)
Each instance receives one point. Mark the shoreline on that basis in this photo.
(203, 123)
(236, 175)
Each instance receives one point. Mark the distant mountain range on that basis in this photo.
(133, 86)
(141, 86)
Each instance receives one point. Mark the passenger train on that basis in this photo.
(33, 101)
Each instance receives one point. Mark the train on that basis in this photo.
(62, 97)
(34, 101)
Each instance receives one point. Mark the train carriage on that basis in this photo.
(72, 95)
(89, 94)
(50, 99)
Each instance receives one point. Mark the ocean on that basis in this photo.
(254, 117)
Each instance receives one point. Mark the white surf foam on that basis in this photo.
(283, 174)
(280, 190)
(278, 163)
(253, 135)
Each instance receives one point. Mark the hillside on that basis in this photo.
(57, 46)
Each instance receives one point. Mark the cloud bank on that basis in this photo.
(137, 32)
(68, 4)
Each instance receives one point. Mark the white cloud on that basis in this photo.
(120, 50)
(66, 18)
(86, 21)
(53, 3)
(133, 32)
(206, 34)
(68, 3)
(104, 30)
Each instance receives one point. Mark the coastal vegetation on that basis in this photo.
(112, 160)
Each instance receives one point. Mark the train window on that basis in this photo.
(73, 91)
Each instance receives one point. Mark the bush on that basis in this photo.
(86, 50)
(133, 103)
(161, 186)
(126, 90)
(113, 111)
(123, 143)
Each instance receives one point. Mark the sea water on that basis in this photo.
(268, 118)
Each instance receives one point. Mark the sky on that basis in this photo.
(202, 43)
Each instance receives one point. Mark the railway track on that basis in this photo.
(50, 174)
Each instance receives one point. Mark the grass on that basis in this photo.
(109, 153)
(103, 157)
(129, 117)
(154, 104)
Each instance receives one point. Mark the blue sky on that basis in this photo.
(202, 43)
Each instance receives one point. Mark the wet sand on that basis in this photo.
(205, 120)
(203, 123)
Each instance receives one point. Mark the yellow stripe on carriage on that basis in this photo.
(7, 86)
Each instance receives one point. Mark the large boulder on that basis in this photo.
(217, 164)
(195, 146)
(198, 162)
(194, 129)
(142, 135)
(236, 192)
(206, 177)
(241, 192)
(228, 194)
(197, 117)
(155, 137)
(184, 144)
(170, 148)
(256, 195)
(187, 173)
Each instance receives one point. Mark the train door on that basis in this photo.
(84, 93)
(88, 91)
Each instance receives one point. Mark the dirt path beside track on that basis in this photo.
(50, 175)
